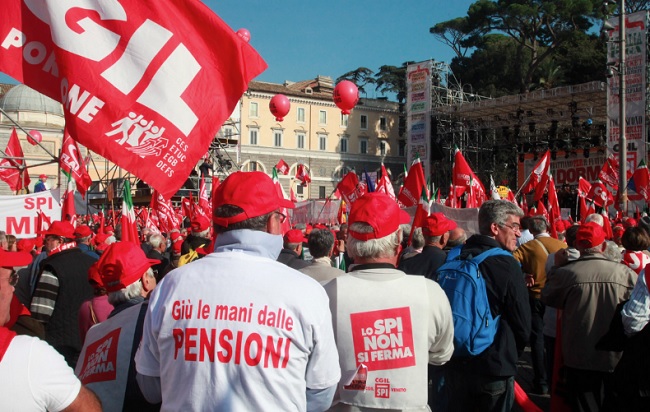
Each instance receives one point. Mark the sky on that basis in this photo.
(300, 40)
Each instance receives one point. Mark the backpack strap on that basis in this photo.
(495, 251)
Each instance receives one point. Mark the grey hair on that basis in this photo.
(496, 211)
(595, 217)
(537, 225)
(592, 250)
(612, 252)
(156, 240)
(418, 238)
(385, 247)
(132, 291)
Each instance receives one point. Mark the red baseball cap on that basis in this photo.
(26, 245)
(11, 259)
(61, 229)
(254, 192)
(200, 224)
(294, 236)
(379, 211)
(42, 176)
(109, 229)
(94, 278)
(122, 264)
(438, 224)
(590, 235)
(82, 231)
(404, 217)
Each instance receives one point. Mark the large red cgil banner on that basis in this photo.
(146, 84)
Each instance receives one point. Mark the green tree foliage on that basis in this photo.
(532, 32)
(362, 77)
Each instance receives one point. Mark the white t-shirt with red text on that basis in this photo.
(239, 332)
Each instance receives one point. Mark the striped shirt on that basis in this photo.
(636, 312)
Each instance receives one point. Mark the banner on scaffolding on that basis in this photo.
(418, 113)
(635, 87)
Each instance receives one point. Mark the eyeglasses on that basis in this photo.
(515, 227)
(13, 278)
(283, 217)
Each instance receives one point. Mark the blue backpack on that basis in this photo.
(464, 285)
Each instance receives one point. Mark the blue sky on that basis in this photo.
(302, 39)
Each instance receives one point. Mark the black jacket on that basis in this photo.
(508, 296)
(425, 263)
(291, 259)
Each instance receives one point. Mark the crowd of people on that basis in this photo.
(238, 314)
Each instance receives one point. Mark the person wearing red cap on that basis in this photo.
(61, 287)
(486, 381)
(199, 236)
(436, 234)
(41, 185)
(292, 249)
(126, 274)
(237, 330)
(588, 290)
(34, 376)
(389, 325)
(83, 234)
(533, 256)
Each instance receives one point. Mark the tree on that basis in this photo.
(392, 79)
(537, 27)
(362, 77)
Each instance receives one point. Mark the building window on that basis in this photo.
(363, 146)
(382, 123)
(252, 133)
(344, 145)
(251, 166)
(402, 148)
(321, 192)
(301, 115)
(322, 117)
(382, 148)
(300, 140)
(252, 111)
(322, 142)
(344, 120)
(299, 190)
(364, 122)
(277, 138)
(227, 132)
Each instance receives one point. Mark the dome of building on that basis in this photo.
(22, 98)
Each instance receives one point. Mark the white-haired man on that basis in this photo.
(588, 290)
(388, 325)
(106, 363)
(237, 330)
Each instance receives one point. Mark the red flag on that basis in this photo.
(302, 174)
(215, 185)
(68, 211)
(286, 224)
(607, 226)
(350, 188)
(609, 172)
(292, 195)
(463, 175)
(384, 185)
(71, 164)
(342, 215)
(414, 182)
(553, 207)
(282, 167)
(12, 169)
(144, 84)
(539, 173)
(541, 210)
(163, 210)
(421, 213)
(600, 195)
(43, 222)
(583, 187)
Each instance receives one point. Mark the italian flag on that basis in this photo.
(129, 227)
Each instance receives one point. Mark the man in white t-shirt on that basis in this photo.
(389, 325)
(237, 330)
(34, 376)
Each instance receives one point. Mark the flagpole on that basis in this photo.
(28, 134)
(329, 199)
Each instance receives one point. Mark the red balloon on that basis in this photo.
(244, 34)
(34, 137)
(346, 96)
(279, 106)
